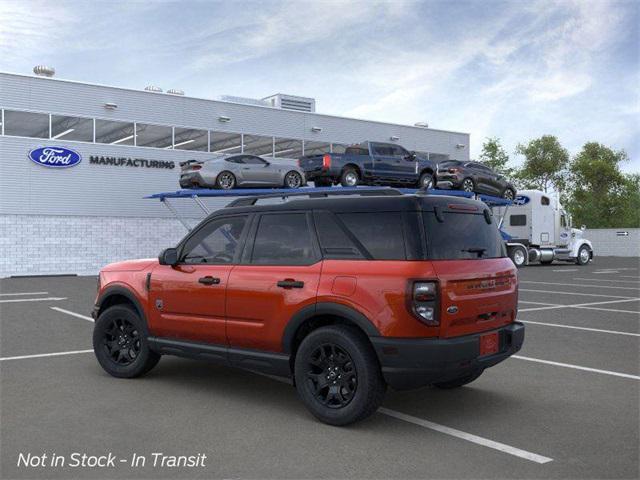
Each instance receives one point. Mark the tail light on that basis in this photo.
(299, 162)
(424, 302)
(196, 167)
(453, 170)
(326, 160)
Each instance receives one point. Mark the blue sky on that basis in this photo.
(515, 70)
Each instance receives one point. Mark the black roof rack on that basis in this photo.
(318, 193)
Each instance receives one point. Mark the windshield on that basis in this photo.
(462, 236)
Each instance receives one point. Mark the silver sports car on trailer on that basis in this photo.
(241, 170)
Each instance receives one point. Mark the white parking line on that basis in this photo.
(606, 280)
(566, 270)
(574, 293)
(23, 293)
(541, 303)
(573, 327)
(610, 310)
(73, 314)
(485, 442)
(606, 272)
(581, 285)
(588, 306)
(577, 367)
(628, 276)
(40, 355)
(47, 299)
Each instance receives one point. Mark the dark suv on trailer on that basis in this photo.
(474, 177)
(346, 294)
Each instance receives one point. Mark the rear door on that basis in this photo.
(187, 301)
(477, 281)
(383, 160)
(278, 275)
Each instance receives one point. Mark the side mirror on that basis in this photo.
(169, 256)
(411, 156)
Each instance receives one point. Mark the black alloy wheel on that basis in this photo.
(332, 376)
(121, 341)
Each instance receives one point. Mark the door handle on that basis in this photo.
(209, 280)
(290, 283)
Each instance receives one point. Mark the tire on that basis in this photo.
(323, 358)
(349, 177)
(508, 194)
(292, 179)
(427, 181)
(117, 327)
(322, 182)
(458, 382)
(468, 185)
(226, 180)
(518, 256)
(584, 255)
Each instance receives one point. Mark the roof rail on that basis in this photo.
(318, 193)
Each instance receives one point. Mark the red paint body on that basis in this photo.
(247, 309)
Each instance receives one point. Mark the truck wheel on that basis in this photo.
(338, 376)
(120, 343)
(349, 178)
(468, 185)
(427, 181)
(518, 256)
(460, 381)
(584, 255)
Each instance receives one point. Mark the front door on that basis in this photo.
(187, 301)
(278, 276)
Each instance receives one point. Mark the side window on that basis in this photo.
(334, 242)
(381, 149)
(253, 160)
(380, 233)
(238, 159)
(215, 243)
(563, 221)
(517, 220)
(399, 151)
(283, 239)
(545, 201)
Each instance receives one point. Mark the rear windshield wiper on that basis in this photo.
(479, 250)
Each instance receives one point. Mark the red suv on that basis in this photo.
(345, 294)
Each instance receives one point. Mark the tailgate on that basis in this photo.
(476, 295)
(311, 163)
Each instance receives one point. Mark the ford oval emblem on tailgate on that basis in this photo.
(452, 309)
(55, 157)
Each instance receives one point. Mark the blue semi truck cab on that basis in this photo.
(370, 163)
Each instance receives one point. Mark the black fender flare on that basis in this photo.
(325, 308)
(120, 291)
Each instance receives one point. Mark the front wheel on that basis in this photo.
(427, 181)
(293, 180)
(338, 376)
(120, 343)
(508, 194)
(518, 256)
(584, 255)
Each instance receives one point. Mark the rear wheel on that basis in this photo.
(226, 180)
(584, 255)
(508, 194)
(120, 343)
(337, 375)
(468, 185)
(518, 256)
(349, 178)
(427, 181)
(293, 179)
(459, 382)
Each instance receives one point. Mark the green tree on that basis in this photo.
(600, 195)
(495, 157)
(545, 164)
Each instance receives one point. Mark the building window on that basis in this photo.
(258, 145)
(287, 148)
(316, 148)
(114, 133)
(225, 143)
(71, 128)
(26, 124)
(157, 136)
(338, 147)
(191, 139)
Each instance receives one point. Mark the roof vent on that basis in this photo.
(292, 102)
(175, 91)
(421, 124)
(153, 88)
(44, 71)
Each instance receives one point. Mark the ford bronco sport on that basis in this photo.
(345, 294)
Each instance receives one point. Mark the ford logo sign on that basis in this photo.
(55, 157)
(521, 200)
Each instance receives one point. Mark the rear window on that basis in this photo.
(462, 236)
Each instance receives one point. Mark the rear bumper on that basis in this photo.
(192, 180)
(412, 363)
(444, 180)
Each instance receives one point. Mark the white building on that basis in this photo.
(77, 219)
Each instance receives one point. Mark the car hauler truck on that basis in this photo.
(539, 230)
